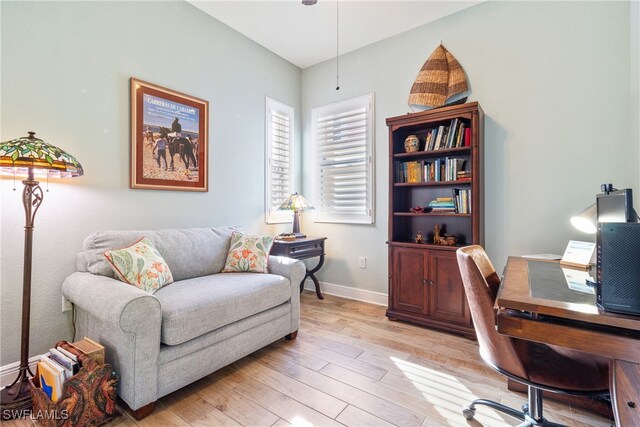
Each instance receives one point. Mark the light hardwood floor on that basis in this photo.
(350, 366)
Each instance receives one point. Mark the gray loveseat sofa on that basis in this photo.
(186, 330)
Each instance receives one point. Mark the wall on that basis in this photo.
(634, 90)
(65, 74)
(553, 80)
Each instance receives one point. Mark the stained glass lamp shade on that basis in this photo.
(30, 156)
(296, 203)
(28, 152)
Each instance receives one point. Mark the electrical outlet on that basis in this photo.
(362, 262)
(66, 304)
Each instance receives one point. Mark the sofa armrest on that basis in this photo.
(127, 322)
(294, 270)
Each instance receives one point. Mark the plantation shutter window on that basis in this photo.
(342, 137)
(279, 155)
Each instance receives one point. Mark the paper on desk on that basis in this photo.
(577, 280)
(579, 254)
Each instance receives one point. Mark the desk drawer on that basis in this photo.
(306, 250)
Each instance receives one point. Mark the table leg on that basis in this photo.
(311, 274)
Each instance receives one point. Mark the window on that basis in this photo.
(342, 138)
(279, 155)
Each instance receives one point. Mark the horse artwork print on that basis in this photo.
(169, 139)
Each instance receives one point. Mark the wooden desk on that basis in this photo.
(531, 310)
(303, 248)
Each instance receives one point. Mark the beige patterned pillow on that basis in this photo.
(248, 253)
(140, 265)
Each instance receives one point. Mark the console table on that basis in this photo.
(303, 248)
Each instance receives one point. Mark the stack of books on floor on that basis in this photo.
(63, 362)
(442, 204)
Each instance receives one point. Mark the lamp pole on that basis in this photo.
(17, 396)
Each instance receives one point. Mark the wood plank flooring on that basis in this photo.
(350, 366)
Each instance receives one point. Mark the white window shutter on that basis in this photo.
(279, 165)
(342, 135)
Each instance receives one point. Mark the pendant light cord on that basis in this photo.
(337, 47)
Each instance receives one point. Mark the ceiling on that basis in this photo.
(306, 35)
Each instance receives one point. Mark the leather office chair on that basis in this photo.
(539, 366)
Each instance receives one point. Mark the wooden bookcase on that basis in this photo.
(425, 286)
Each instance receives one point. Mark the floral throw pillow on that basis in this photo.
(248, 253)
(140, 265)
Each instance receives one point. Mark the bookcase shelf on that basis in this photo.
(430, 214)
(432, 153)
(431, 183)
(425, 286)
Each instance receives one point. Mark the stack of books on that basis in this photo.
(63, 362)
(54, 369)
(442, 204)
(463, 175)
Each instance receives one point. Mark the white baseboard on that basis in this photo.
(364, 295)
(9, 372)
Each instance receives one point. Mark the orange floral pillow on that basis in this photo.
(140, 265)
(248, 253)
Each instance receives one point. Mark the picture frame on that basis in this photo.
(169, 139)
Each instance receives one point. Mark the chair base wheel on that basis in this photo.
(468, 413)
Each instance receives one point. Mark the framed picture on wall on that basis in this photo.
(169, 139)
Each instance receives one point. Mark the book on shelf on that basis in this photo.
(443, 169)
(467, 137)
(462, 200)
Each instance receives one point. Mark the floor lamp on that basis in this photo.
(30, 156)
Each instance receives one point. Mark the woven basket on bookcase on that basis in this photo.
(88, 398)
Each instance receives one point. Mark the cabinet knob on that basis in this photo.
(430, 283)
(425, 282)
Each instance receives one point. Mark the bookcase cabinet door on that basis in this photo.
(447, 300)
(409, 279)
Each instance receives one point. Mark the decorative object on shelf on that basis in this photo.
(440, 78)
(417, 209)
(296, 203)
(437, 239)
(419, 238)
(30, 156)
(169, 139)
(411, 144)
(450, 240)
(88, 398)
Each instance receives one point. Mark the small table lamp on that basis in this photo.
(28, 156)
(296, 203)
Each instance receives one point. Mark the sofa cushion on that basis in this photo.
(248, 254)
(200, 305)
(189, 252)
(140, 265)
